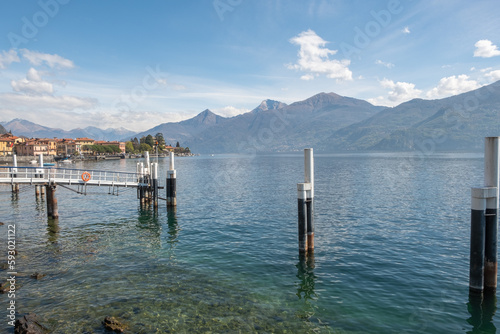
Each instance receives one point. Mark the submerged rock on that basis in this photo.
(37, 275)
(29, 324)
(112, 324)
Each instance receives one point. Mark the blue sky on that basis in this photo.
(72, 63)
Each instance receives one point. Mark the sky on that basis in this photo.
(136, 64)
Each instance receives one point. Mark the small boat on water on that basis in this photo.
(48, 164)
(66, 161)
(33, 162)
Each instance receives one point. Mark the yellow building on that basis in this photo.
(7, 143)
(68, 147)
(84, 142)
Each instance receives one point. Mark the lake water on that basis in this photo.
(392, 249)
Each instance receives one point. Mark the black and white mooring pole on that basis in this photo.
(171, 183)
(305, 202)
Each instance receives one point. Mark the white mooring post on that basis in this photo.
(305, 201)
(491, 179)
(147, 163)
(15, 187)
(171, 183)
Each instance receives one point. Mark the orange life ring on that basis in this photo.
(86, 176)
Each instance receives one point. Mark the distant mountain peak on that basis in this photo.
(269, 105)
(206, 117)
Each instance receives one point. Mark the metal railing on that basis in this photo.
(65, 175)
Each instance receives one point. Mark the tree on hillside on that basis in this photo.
(178, 144)
(150, 141)
(160, 139)
(135, 142)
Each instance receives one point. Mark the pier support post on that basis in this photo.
(309, 178)
(491, 179)
(37, 191)
(52, 207)
(171, 183)
(154, 180)
(142, 194)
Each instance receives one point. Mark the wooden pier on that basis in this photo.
(48, 178)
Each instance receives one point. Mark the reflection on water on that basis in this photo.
(305, 273)
(173, 228)
(482, 309)
(52, 230)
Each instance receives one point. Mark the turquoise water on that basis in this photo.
(392, 249)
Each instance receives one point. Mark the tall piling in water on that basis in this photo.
(309, 178)
(171, 183)
(491, 179)
(305, 202)
(484, 224)
(154, 184)
(52, 207)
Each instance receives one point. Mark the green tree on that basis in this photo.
(129, 147)
(178, 144)
(160, 139)
(144, 147)
(150, 141)
(136, 143)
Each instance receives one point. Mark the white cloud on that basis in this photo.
(230, 111)
(400, 91)
(33, 84)
(486, 49)
(452, 86)
(380, 62)
(406, 30)
(40, 102)
(53, 61)
(494, 75)
(7, 58)
(314, 58)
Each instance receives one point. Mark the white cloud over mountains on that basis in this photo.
(494, 75)
(453, 85)
(32, 84)
(33, 92)
(314, 58)
(486, 49)
(400, 91)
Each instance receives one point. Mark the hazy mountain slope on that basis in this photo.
(285, 128)
(185, 130)
(455, 123)
(29, 129)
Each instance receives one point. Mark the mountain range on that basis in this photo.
(20, 127)
(326, 121)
